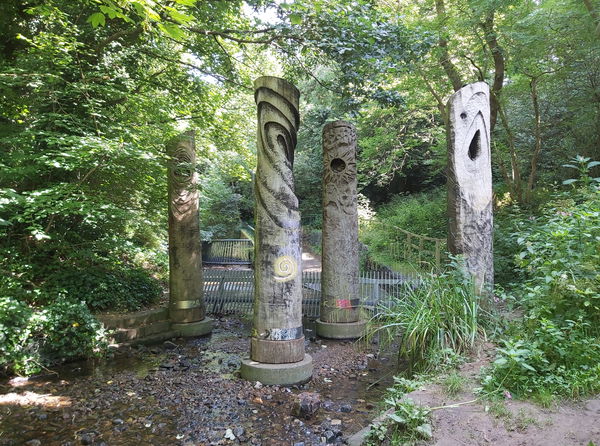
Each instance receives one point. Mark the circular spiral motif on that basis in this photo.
(285, 268)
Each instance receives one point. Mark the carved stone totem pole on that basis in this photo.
(186, 303)
(340, 312)
(470, 183)
(277, 344)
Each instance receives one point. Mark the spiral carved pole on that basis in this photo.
(277, 343)
(186, 303)
(340, 311)
(470, 183)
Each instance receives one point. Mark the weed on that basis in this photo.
(453, 384)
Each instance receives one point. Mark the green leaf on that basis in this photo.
(178, 16)
(97, 19)
(593, 164)
(172, 30)
(186, 2)
(569, 181)
(425, 431)
(295, 19)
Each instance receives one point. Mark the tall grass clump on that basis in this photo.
(434, 320)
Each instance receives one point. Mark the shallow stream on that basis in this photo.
(187, 392)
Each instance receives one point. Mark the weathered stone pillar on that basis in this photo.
(277, 344)
(340, 312)
(186, 303)
(470, 182)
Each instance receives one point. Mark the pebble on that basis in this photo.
(346, 408)
(229, 435)
(34, 442)
(117, 421)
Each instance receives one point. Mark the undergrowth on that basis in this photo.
(555, 349)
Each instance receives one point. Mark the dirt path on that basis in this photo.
(508, 422)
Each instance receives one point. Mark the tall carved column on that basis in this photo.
(470, 182)
(186, 303)
(277, 344)
(340, 310)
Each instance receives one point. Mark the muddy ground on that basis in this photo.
(188, 393)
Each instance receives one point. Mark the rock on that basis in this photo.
(229, 435)
(329, 436)
(258, 385)
(300, 443)
(42, 416)
(117, 421)
(239, 431)
(346, 408)
(86, 439)
(336, 422)
(327, 405)
(34, 442)
(306, 404)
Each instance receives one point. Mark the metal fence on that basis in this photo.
(232, 291)
(228, 252)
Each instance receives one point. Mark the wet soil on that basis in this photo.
(188, 392)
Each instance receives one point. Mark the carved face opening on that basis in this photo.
(337, 165)
(475, 146)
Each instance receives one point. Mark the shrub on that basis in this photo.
(34, 338)
(556, 348)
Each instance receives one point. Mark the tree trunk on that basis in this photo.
(499, 66)
(339, 284)
(186, 302)
(444, 58)
(538, 137)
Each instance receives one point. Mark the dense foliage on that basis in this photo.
(555, 349)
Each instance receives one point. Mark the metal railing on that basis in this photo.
(228, 252)
(232, 291)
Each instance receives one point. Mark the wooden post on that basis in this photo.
(470, 182)
(340, 303)
(186, 303)
(277, 337)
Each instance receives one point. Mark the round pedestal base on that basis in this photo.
(340, 330)
(190, 329)
(278, 374)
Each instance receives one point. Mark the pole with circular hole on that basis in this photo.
(340, 303)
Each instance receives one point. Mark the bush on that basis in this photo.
(34, 338)
(556, 348)
(103, 283)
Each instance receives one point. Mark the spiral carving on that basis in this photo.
(183, 192)
(285, 268)
(278, 121)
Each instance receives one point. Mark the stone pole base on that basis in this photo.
(191, 329)
(278, 374)
(341, 330)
